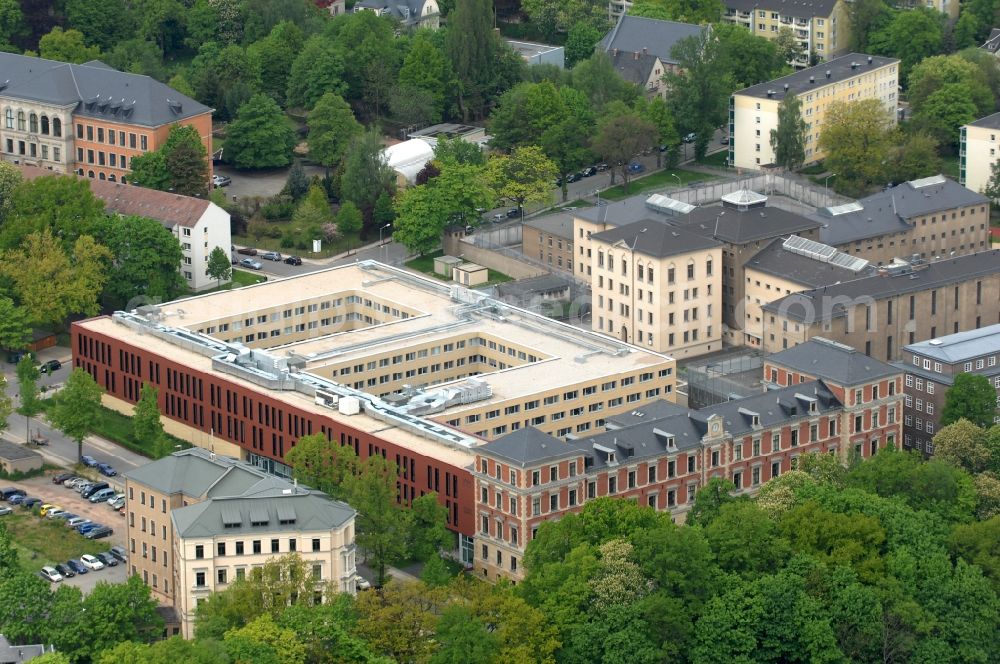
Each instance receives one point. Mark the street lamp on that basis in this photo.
(380, 238)
(679, 183)
(826, 185)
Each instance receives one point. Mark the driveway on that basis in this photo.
(261, 183)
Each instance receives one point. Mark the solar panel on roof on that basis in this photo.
(846, 208)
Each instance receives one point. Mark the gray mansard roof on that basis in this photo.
(656, 239)
(279, 510)
(95, 90)
(959, 347)
(633, 34)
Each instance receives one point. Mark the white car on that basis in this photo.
(50, 574)
(76, 521)
(91, 562)
(362, 583)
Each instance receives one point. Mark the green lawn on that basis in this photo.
(718, 159)
(657, 180)
(46, 542)
(339, 246)
(117, 428)
(425, 264)
(245, 278)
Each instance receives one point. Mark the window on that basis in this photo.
(221, 574)
(199, 551)
(221, 548)
(256, 546)
(315, 544)
(199, 579)
(239, 548)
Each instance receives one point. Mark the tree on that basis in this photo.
(621, 139)
(788, 45)
(978, 544)
(709, 500)
(382, 525)
(332, 127)
(11, 22)
(180, 165)
(864, 17)
(62, 204)
(27, 391)
(10, 178)
(138, 56)
(296, 184)
(856, 138)
(910, 36)
(749, 58)
(458, 151)
(463, 638)
(789, 140)
(963, 444)
(76, 408)
(686, 11)
(524, 176)
(970, 397)
(349, 218)
(51, 285)
(322, 464)
(276, 53)
(15, 331)
(945, 111)
(425, 69)
(473, 49)
(150, 170)
(435, 572)
(524, 113)
(429, 534)
(411, 608)
(933, 73)
(317, 70)
(700, 87)
(260, 137)
(581, 40)
(552, 17)
(219, 266)
(116, 612)
(597, 79)
(66, 46)
(263, 642)
(366, 176)
(146, 259)
(225, 77)
(992, 188)
(657, 112)
(915, 157)
(419, 220)
(147, 428)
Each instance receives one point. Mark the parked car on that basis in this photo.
(88, 461)
(106, 469)
(589, 171)
(77, 521)
(62, 477)
(574, 177)
(636, 167)
(54, 512)
(87, 527)
(498, 217)
(251, 263)
(46, 508)
(724, 140)
(50, 574)
(28, 503)
(293, 260)
(117, 502)
(94, 488)
(362, 583)
(76, 566)
(601, 167)
(16, 499)
(4, 510)
(101, 495)
(73, 482)
(119, 553)
(99, 532)
(9, 491)
(107, 559)
(66, 572)
(691, 138)
(83, 486)
(271, 256)
(65, 516)
(221, 181)
(513, 212)
(91, 562)
(50, 367)
(247, 251)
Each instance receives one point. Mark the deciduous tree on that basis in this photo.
(382, 524)
(621, 139)
(219, 266)
(426, 69)
(76, 408)
(146, 260)
(261, 640)
(27, 391)
(964, 445)
(261, 136)
(910, 36)
(857, 138)
(700, 87)
(67, 46)
(524, 176)
(366, 176)
(429, 534)
(789, 139)
(332, 127)
(15, 330)
(146, 425)
(580, 42)
(349, 218)
(971, 397)
(463, 638)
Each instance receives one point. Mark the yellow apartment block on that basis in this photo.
(820, 26)
(753, 112)
(978, 152)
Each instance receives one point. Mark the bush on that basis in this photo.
(287, 241)
(279, 208)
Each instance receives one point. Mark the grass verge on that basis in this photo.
(718, 159)
(657, 180)
(425, 264)
(338, 246)
(117, 428)
(48, 541)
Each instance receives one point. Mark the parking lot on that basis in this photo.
(70, 545)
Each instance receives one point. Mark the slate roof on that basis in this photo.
(397, 9)
(676, 432)
(127, 199)
(529, 446)
(634, 67)
(807, 306)
(558, 225)
(18, 654)
(774, 259)
(301, 510)
(741, 226)
(959, 347)
(12, 451)
(631, 34)
(889, 211)
(95, 90)
(656, 239)
(990, 121)
(840, 69)
(832, 361)
(653, 410)
(195, 473)
(992, 43)
(796, 8)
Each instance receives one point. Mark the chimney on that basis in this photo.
(635, 56)
(869, 59)
(854, 65)
(614, 52)
(645, 51)
(786, 87)
(812, 79)
(828, 74)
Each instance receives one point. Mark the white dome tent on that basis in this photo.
(408, 158)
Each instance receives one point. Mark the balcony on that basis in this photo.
(802, 23)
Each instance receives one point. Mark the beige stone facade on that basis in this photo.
(820, 28)
(978, 152)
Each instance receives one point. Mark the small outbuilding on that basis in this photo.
(444, 265)
(470, 274)
(16, 458)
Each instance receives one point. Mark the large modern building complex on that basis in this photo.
(198, 224)
(823, 397)
(931, 367)
(198, 521)
(753, 112)
(89, 119)
(378, 358)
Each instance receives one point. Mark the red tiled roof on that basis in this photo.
(126, 199)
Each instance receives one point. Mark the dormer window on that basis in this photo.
(812, 406)
(755, 420)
